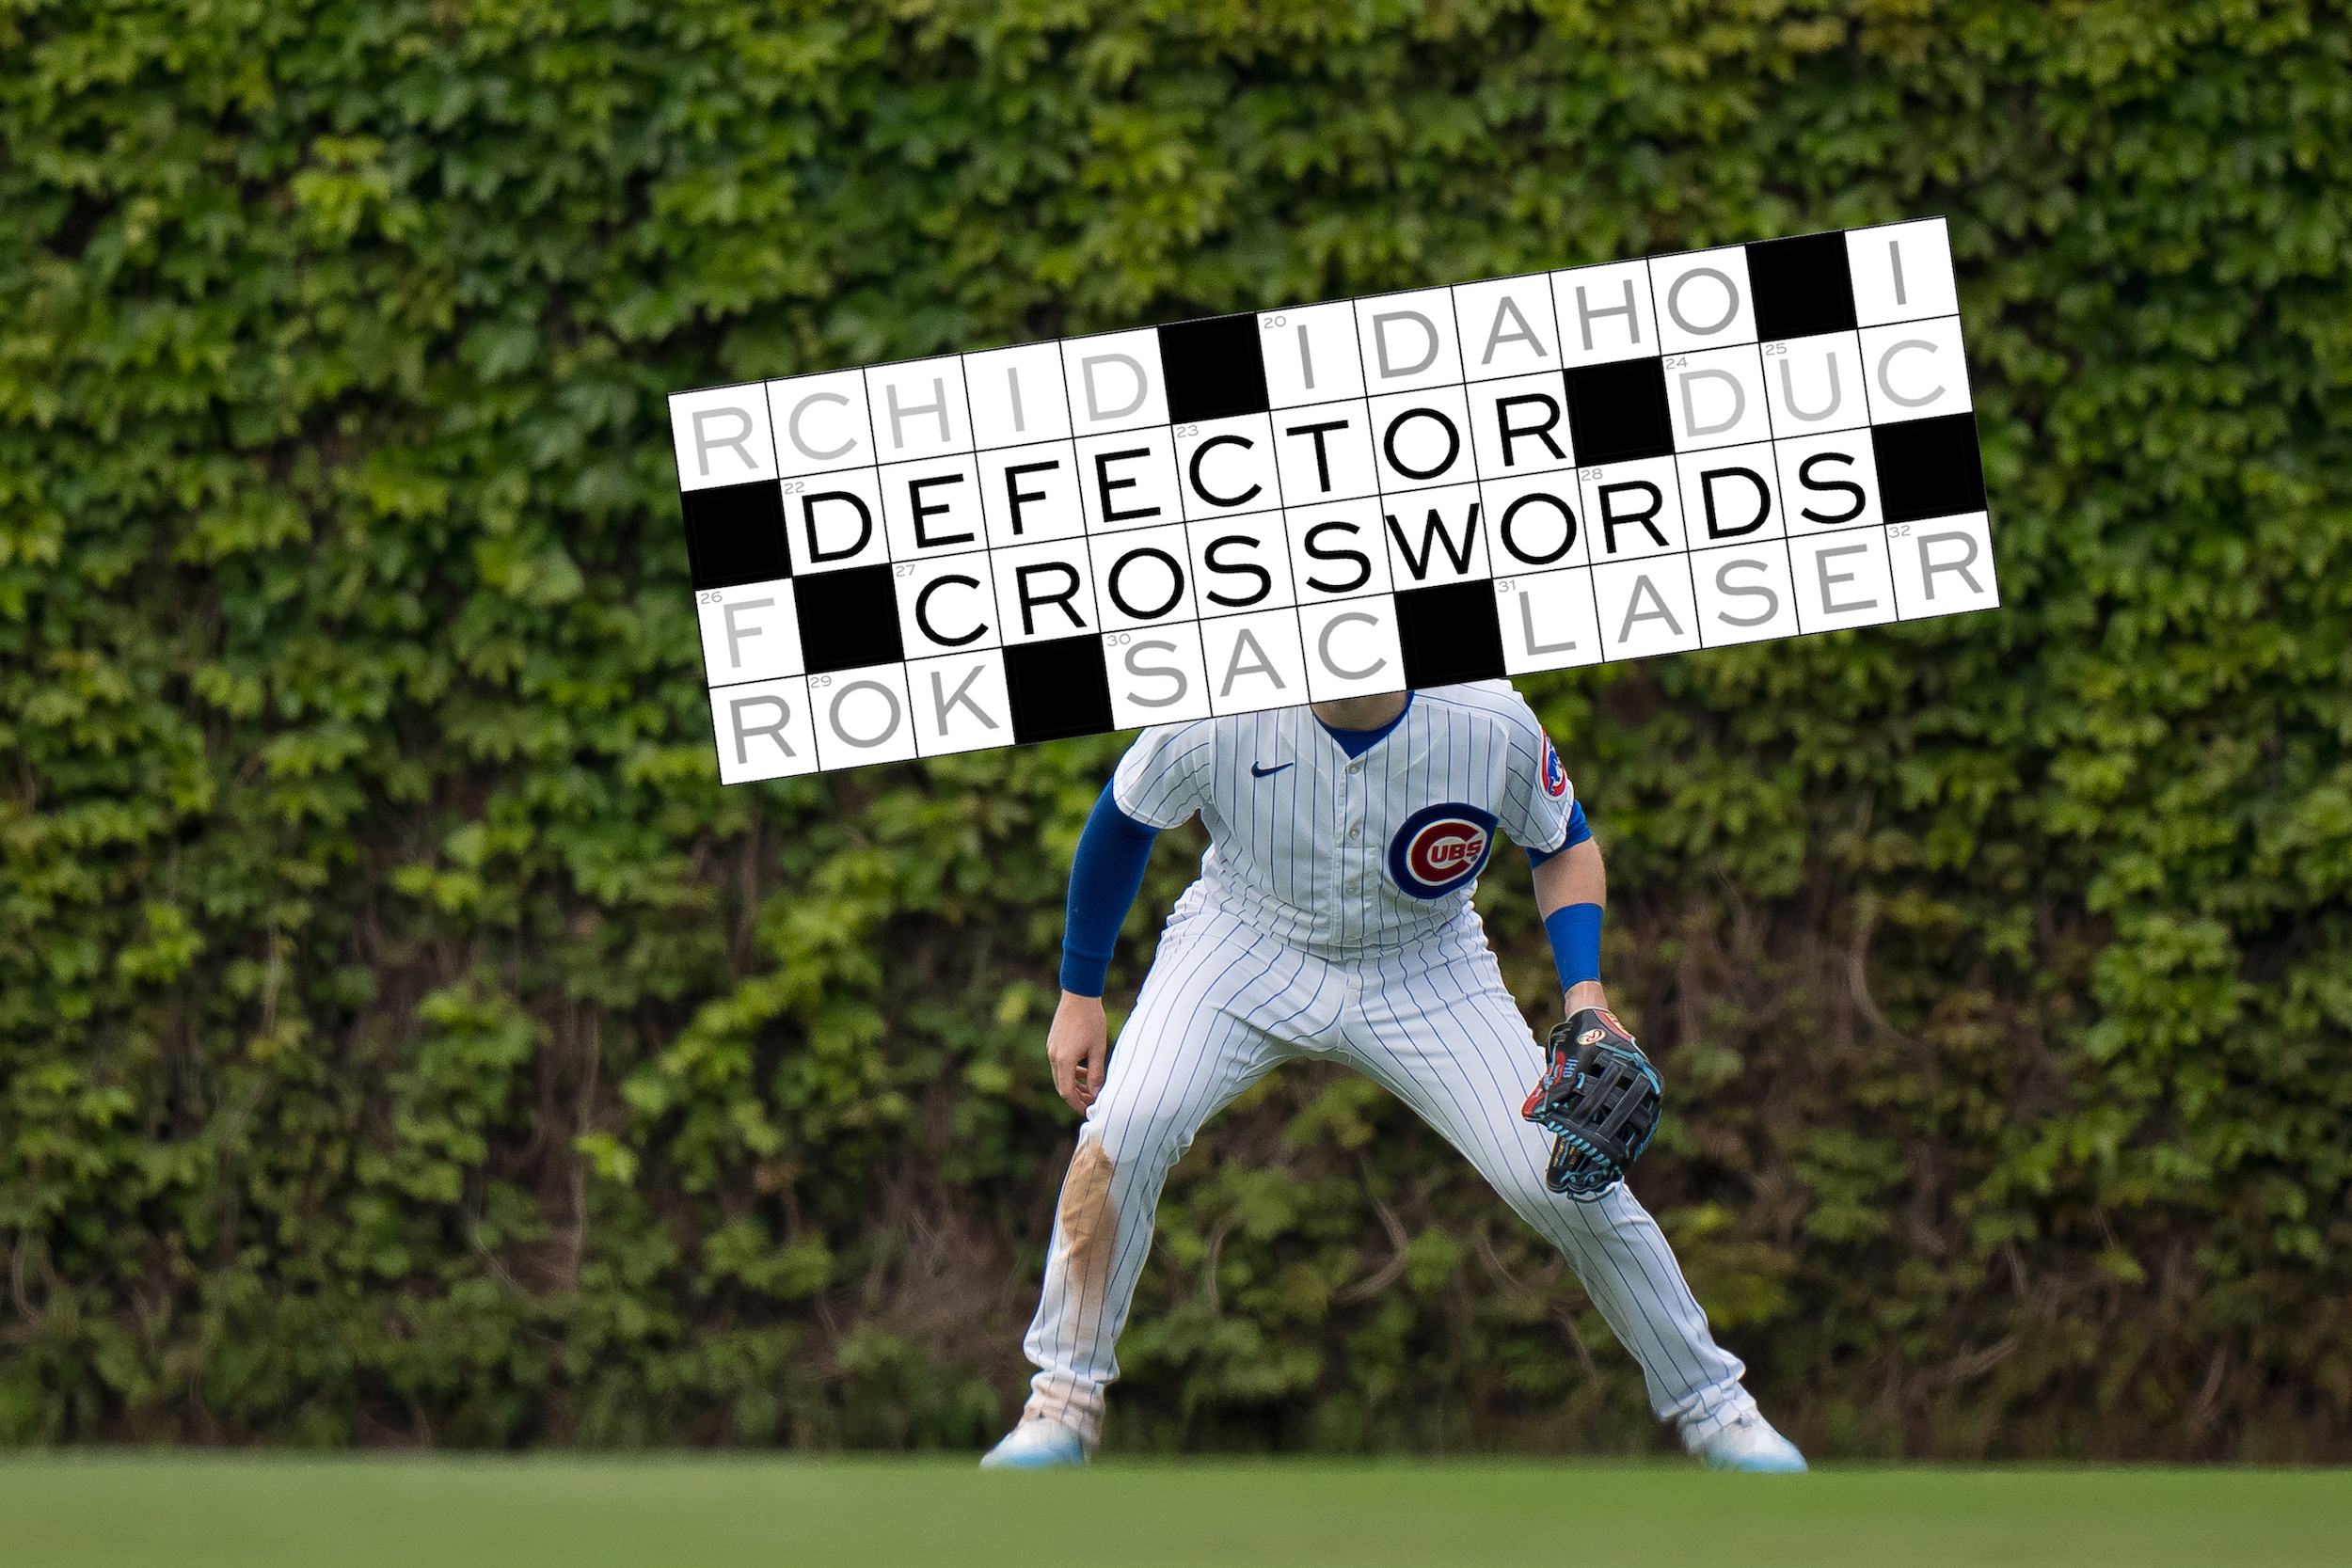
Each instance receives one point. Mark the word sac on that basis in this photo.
(1453, 483)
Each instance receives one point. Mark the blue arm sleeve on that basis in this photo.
(1578, 831)
(1104, 878)
(1575, 933)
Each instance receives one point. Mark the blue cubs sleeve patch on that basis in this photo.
(1555, 774)
(1441, 847)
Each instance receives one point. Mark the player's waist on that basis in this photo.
(1351, 930)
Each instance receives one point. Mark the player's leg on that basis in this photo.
(1438, 1029)
(1219, 1010)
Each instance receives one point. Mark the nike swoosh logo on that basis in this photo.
(1258, 772)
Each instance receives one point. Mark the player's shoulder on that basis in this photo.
(1160, 779)
(1193, 743)
(1515, 738)
(1258, 726)
(1188, 737)
(1495, 705)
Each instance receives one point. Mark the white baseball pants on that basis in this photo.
(1433, 1024)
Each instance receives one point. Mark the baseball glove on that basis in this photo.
(1601, 1098)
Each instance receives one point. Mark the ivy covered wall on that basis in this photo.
(404, 1041)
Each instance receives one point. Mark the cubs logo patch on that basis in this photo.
(1439, 848)
(1555, 774)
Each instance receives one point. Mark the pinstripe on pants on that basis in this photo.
(1432, 1024)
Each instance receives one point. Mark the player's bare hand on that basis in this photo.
(1585, 994)
(1078, 1045)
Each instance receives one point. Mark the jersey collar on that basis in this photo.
(1357, 742)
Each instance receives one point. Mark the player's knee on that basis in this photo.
(1531, 1199)
(1134, 1134)
(1588, 1223)
(1554, 1214)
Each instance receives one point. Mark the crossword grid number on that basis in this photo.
(1405, 490)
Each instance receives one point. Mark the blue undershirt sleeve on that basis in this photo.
(1105, 877)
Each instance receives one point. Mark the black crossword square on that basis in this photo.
(1450, 634)
(1928, 468)
(1059, 688)
(735, 534)
(1214, 368)
(847, 619)
(1618, 412)
(1802, 286)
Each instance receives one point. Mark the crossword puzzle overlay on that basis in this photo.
(1447, 484)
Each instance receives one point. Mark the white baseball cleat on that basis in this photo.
(1750, 1443)
(1042, 1444)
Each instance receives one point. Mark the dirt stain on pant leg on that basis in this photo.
(1088, 1222)
(1090, 1226)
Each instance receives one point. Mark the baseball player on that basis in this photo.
(1332, 921)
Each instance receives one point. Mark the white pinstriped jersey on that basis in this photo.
(1337, 854)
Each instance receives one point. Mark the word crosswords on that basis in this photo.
(1245, 512)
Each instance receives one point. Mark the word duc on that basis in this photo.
(1220, 515)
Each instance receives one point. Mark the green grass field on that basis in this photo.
(124, 1510)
